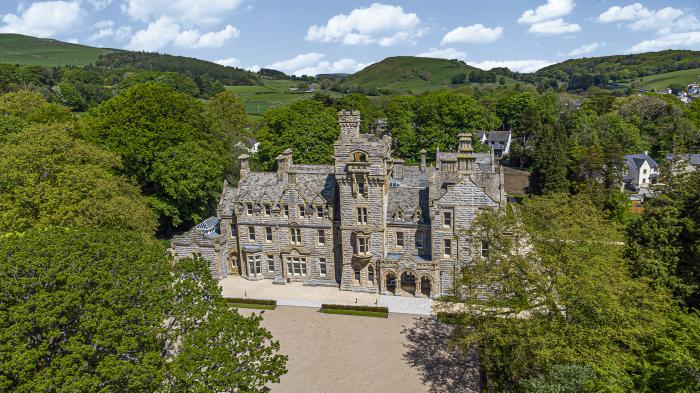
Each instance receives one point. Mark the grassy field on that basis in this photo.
(409, 73)
(661, 81)
(260, 99)
(21, 49)
(254, 305)
(357, 313)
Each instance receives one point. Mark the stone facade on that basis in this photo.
(367, 223)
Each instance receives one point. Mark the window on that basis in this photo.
(322, 266)
(362, 215)
(251, 233)
(270, 263)
(249, 208)
(399, 216)
(370, 274)
(399, 239)
(419, 240)
(253, 265)
(357, 275)
(296, 266)
(362, 188)
(302, 211)
(267, 210)
(447, 250)
(268, 234)
(644, 171)
(321, 237)
(359, 157)
(295, 235)
(319, 211)
(447, 219)
(362, 245)
(285, 211)
(484, 248)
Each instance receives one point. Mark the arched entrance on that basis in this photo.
(408, 283)
(425, 286)
(391, 283)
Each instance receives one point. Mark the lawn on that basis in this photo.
(254, 305)
(662, 81)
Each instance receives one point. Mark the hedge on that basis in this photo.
(250, 301)
(355, 308)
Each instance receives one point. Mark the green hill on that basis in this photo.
(22, 49)
(403, 73)
(662, 81)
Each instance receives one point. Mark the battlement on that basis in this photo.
(349, 122)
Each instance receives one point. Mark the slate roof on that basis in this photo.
(636, 160)
(692, 159)
(466, 192)
(498, 136)
(311, 180)
(408, 199)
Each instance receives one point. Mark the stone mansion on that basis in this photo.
(366, 223)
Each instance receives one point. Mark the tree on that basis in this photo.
(549, 168)
(104, 310)
(33, 107)
(69, 96)
(400, 117)
(151, 126)
(307, 127)
(552, 290)
(48, 178)
(664, 246)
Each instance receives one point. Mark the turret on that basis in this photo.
(349, 124)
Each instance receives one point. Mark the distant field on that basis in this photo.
(661, 81)
(260, 99)
(20, 49)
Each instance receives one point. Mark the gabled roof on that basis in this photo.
(692, 159)
(498, 136)
(466, 192)
(637, 160)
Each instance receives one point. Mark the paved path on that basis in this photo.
(347, 354)
(296, 294)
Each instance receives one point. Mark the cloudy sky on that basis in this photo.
(320, 36)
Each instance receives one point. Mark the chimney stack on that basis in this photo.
(423, 166)
(245, 165)
(398, 169)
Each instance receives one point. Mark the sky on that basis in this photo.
(343, 36)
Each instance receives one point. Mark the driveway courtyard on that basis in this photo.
(339, 353)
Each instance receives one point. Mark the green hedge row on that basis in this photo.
(355, 308)
(250, 301)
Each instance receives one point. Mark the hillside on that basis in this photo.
(26, 50)
(581, 73)
(408, 73)
(662, 81)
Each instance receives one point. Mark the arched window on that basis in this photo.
(357, 276)
(370, 274)
(359, 156)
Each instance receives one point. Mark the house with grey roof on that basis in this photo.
(683, 163)
(642, 171)
(497, 141)
(366, 223)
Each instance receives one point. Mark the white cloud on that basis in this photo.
(584, 49)
(44, 19)
(472, 34)
(230, 62)
(551, 10)
(99, 5)
(382, 24)
(513, 65)
(670, 41)
(253, 68)
(447, 53)
(556, 26)
(104, 29)
(664, 21)
(312, 64)
(187, 12)
(123, 33)
(165, 31)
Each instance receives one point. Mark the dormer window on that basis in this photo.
(249, 208)
(399, 215)
(319, 211)
(302, 211)
(267, 209)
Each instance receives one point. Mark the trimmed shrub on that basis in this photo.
(250, 301)
(355, 308)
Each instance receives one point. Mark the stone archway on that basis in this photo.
(408, 283)
(390, 283)
(425, 286)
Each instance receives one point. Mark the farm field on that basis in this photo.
(21, 49)
(661, 81)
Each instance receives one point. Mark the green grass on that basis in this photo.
(409, 73)
(21, 49)
(254, 305)
(360, 313)
(661, 81)
(275, 93)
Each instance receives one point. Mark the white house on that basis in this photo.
(642, 171)
(497, 141)
(694, 89)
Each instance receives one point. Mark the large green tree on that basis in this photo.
(48, 178)
(554, 292)
(160, 134)
(308, 127)
(108, 311)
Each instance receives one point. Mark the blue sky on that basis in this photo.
(318, 36)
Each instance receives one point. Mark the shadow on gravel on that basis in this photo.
(443, 368)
